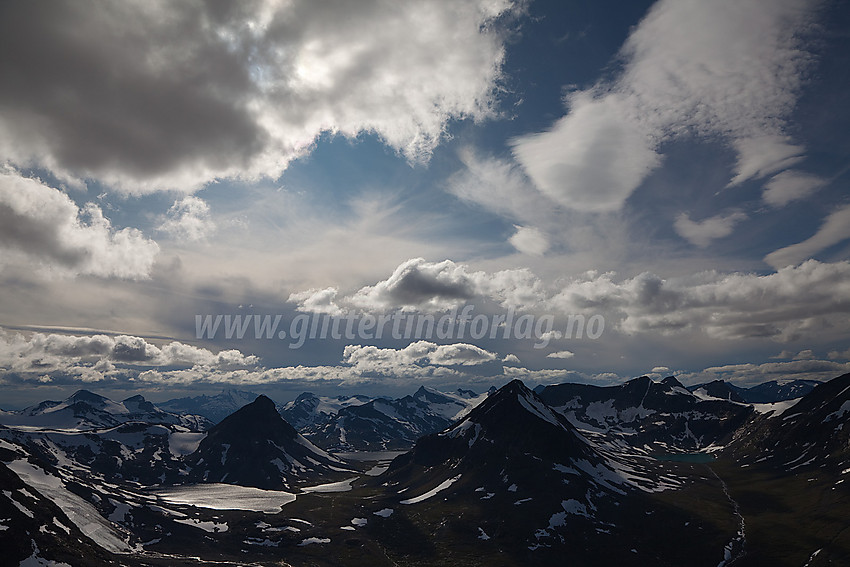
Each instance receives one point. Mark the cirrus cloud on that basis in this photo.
(731, 69)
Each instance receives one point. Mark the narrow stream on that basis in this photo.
(736, 548)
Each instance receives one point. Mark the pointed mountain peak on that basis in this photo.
(258, 417)
(514, 405)
(255, 446)
(262, 401)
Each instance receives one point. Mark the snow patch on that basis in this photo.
(442, 486)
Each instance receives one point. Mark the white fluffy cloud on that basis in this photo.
(701, 233)
(732, 69)
(188, 219)
(162, 95)
(421, 285)
(419, 361)
(420, 353)
(563, 354)
(835, 229)
(317, 301)
(95, 357)
(42, 226)
(417, 283)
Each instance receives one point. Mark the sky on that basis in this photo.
(369, 196)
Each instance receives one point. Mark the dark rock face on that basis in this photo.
(256, 447)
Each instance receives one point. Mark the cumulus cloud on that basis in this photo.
(701, 233)
(564, 354)
(732, 69)
(150, 95)
(96, 357)
(418, 361)
(417, 282)
(514, 359)
(317, 301)
(835, 229)
(43, 226)
(791, 185)
(794, 302)
(420, 353)
(422, 285)
(188, 219)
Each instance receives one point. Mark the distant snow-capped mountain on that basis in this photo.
(86, 410)
(384, 424)
(215, 408)
(309, 411)
(765, 393)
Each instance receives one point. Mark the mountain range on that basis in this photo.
(644, 473)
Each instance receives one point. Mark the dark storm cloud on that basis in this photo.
(126, 86)
(162, 95)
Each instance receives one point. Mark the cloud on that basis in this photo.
(514, 359)
(592, 158)
(795, 302)
(805, 355)
(148, 96)
(803, 301)
(731, 69)
(42, 226)
(317, 301)
(660, 370)
(561, 354)
(97, 357)
(835, 229)
(419, 283)
(529, 241)
(188, 219)
(701, 233)
(419, 361)
(499, 186)
(790, 185)
(839, 355)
